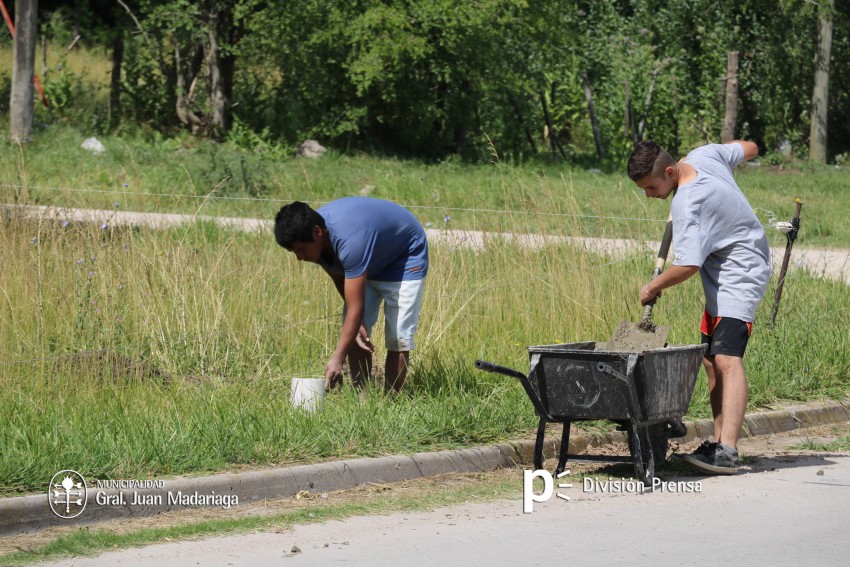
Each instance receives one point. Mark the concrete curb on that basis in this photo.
(31, 513)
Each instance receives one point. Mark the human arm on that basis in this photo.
(362, 338)
(353, 292)
(751, 150)
(672, 276)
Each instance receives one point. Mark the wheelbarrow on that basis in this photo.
(643, 392)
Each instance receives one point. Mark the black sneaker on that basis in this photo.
(715, 458)
(704, 450)
(700, 452)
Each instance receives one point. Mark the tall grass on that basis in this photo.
(129, 353)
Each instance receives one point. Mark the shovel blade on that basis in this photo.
(632, 337)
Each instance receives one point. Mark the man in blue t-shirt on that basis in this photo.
(715, 233)
(374, 251)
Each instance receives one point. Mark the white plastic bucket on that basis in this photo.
(308, 394)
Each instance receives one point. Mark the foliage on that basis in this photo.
(436, 78)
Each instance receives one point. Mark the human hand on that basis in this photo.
(363, 340)
(647, 294)
(333, 374)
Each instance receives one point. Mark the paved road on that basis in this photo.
(833, 264)
(786, 511)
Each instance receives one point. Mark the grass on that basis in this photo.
(148, 173)
(190, 175)
(840, 444)
(137, 353)
(134, 353)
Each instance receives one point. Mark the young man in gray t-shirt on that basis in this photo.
(715, 233)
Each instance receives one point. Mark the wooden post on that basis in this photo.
(115, 79)
(731, 118)
(820, 92)
(23, 70)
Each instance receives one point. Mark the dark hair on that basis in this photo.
(648, 158)
(295, 222)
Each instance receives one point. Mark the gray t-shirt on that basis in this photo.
(714, 227)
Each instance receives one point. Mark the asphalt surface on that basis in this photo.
(787, 510)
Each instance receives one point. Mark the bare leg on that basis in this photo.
(730, 373)
(360, 364)
(396, 370)
(715, 394)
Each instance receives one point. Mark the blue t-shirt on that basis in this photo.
(376, 237)
(714, 227)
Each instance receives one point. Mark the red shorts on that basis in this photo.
(725, 335)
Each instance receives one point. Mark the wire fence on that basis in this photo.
(210, 196)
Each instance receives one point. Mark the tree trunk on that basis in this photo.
(597, 136)
(629, 130)
(186, 80)
(218, 100)
(675, 148)
(461, 128)
(553, 137)
(78, 13)
(820, 93)
(44, 57)
(518, 112)
(731, 117)
(23, 69)
(640, 130)
(115, 81)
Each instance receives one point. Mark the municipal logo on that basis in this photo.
(67, 494)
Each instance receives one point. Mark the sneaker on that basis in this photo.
(714, 457)
(700, 453)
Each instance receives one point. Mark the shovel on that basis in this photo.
(644, 335)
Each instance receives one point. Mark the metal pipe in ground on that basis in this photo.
(791, 235)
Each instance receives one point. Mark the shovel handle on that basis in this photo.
(660, 260)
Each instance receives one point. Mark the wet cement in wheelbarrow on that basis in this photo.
(626, 339)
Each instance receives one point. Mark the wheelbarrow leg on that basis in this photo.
(640, 446)
(565, 445)
(538, 445)
(658, 436)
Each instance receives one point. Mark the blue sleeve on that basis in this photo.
(356, 252)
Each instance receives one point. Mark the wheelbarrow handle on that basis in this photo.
(523, 379)
(490, 367)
